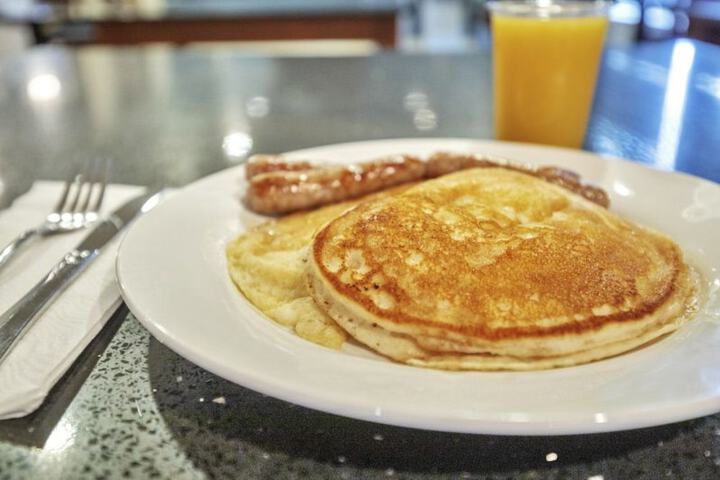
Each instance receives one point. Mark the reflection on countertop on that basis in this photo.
(173, 115)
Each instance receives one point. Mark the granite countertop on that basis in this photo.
(131, 408)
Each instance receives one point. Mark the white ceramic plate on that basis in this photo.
(172, 271)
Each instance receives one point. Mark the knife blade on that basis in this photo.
(15, 322)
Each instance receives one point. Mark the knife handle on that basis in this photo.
(20, 316)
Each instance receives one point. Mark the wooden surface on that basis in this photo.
(377, 27)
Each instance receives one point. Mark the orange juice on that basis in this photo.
(544, 76)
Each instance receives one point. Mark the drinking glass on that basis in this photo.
(546, 55)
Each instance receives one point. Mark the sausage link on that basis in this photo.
(282, 192)
(278, 186)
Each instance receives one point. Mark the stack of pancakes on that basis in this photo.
(484, 269)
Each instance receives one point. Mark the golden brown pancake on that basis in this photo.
(493, 269)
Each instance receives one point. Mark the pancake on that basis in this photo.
(490, 269)
(268, 265)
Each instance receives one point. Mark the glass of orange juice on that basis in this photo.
(546, 55)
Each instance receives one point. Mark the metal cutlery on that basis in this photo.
(78, 206)
(20, 316)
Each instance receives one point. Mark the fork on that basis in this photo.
(77, 207)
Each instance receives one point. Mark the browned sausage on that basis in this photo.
(281, 192)
(279, 186)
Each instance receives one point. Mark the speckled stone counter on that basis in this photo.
(131, 408)
(145, 412)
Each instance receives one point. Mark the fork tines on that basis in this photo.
(83, 193)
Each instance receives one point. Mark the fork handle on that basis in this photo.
(13, 247)
(14, 322)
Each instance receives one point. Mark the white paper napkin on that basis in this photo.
(55, 340)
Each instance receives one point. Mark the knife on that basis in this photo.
(20, 316)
